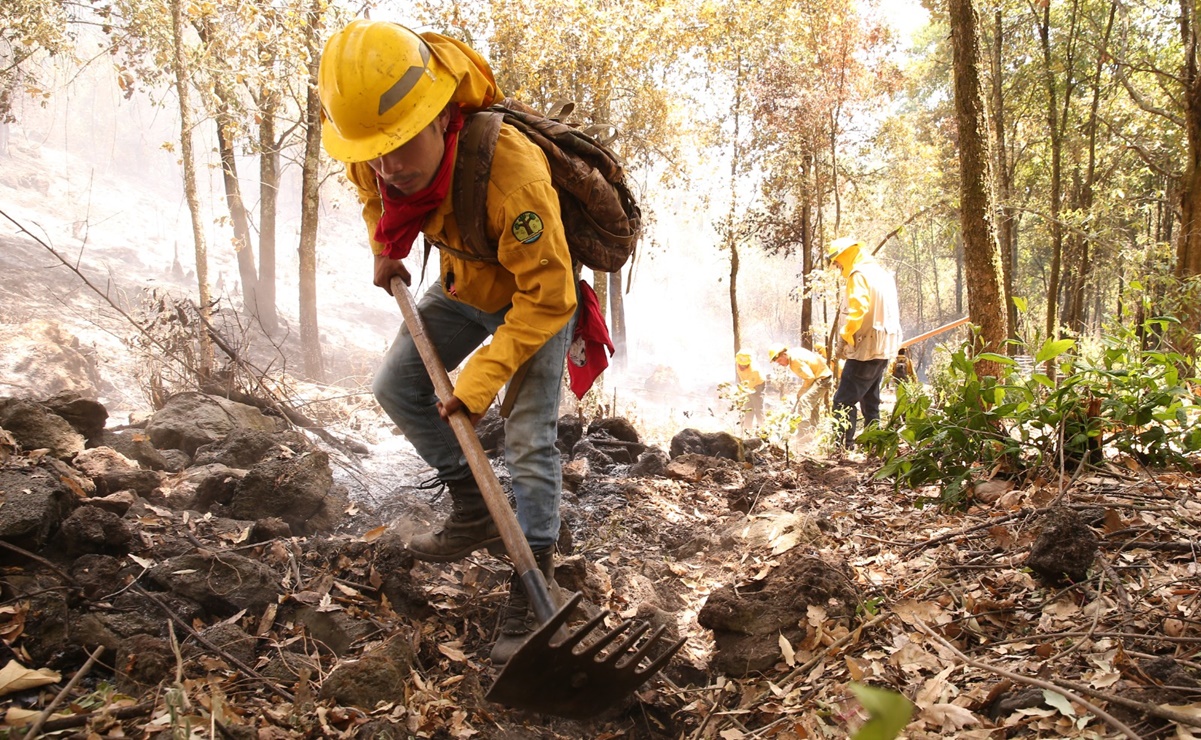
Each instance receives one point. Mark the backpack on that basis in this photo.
(601, 219)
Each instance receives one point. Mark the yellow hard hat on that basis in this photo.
(380, 84)
(743, 357)
(775, 351)
(842, 245)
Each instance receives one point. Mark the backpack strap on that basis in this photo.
(473, 170)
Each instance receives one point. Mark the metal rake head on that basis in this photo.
(578, 677)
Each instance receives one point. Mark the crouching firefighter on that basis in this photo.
(393, 104)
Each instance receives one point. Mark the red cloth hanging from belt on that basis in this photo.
(587, 357)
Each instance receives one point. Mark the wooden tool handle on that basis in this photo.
(494, 495)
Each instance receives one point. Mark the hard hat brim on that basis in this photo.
(379, 143)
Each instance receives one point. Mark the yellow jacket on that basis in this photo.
(870, 312)
(750, 377)
(808, 365)
(535, 272)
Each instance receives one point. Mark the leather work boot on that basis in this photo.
(518, 620)
(468, 528)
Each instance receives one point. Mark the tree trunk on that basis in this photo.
(617, 319)
(1086, 194)
(1188, 246)
(734, 265)
(243, 245)
(310, 337)
(731, 231)
(981, 254)
(1056, 128)
(1003, 172)
(600, 286)
(807, 252)
(204, 362)
(268, 208)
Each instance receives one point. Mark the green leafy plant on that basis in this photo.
(1118, 400)
(888, 712)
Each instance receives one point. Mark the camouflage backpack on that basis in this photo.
(601, 219)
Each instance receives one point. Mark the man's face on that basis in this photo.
(412, 166)
(782, 359)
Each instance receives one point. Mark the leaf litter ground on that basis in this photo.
(949, 615)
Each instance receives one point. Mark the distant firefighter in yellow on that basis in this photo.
(816, 378)
(752, 382)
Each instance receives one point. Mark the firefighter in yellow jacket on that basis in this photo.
(753, 384)
(392, 105)
(869, 333)
(816, 378)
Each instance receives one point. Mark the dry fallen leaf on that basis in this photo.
(787, 651)
(16, 677)
(949, 716)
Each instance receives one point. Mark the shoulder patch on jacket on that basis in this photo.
(527, 227)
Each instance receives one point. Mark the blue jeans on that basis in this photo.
(404, 390)
(859, 384)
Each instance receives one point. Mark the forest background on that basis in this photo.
(754, 133)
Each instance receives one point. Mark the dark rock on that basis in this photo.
(687, 441)
(379, 676)
(202, 487)
(335, 630)
(86, 416)
(190, 420)
(176, 460)
(597, 460)
(748, 620)
(617, 427)
(231, 639)
(1008, 702)
(145, 483)
(243, 448)
(35, 427)
(269, 529)
(620, 451)
(97, 575)
(223, 583)
(135, 445)
(111, 472)
(32, 504)
(299, 490)
(1064, 548)
(491, 430)
(91, 529)
(571, 430)
(143, 661)
(118, 503)
(394, 562)
(650, 464)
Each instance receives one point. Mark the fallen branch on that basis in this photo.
(200, 638)
(1108, 718)
(36, 727)
(79, 720)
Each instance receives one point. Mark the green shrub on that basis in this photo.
(1116, 399)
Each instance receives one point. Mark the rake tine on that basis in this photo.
(594, 649)
(661, 661)
(577, 636)
(620, 651)
(641, 652)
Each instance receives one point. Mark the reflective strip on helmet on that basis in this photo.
(404, 85)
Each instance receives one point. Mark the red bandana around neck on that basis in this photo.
(403, 215)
